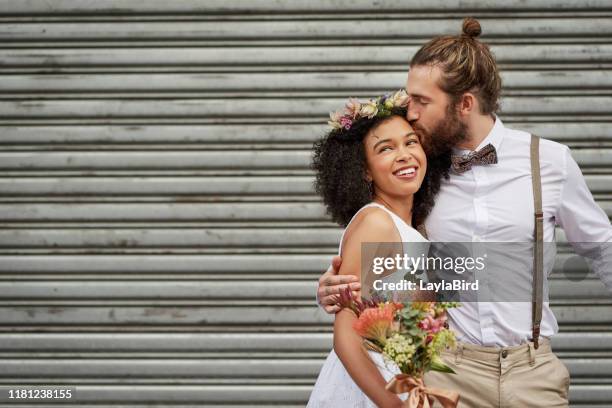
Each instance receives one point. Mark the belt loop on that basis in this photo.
(459, 354)
(531, 354)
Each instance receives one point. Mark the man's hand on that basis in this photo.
(330, 285)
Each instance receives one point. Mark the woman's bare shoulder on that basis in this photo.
(372, 225)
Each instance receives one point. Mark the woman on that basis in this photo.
(372, 173)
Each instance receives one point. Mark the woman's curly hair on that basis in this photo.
(340, 164)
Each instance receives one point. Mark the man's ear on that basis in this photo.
(467, 104)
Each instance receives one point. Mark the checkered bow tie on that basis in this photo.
(486, 155)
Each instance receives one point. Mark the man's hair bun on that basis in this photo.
(471, 27)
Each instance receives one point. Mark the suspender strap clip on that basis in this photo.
(536, 336)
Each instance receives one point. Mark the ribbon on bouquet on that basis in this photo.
(419, 393)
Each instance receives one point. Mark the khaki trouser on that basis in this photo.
(506, 377)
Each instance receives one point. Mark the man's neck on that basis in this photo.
(479, 128)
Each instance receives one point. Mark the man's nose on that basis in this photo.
(411, 114)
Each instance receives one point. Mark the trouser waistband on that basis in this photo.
(525, 351)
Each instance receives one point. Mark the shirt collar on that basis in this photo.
(494, 137)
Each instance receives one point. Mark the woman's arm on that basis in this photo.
(373, 226)
(349, 348)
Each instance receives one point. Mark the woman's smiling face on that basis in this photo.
(395, 159)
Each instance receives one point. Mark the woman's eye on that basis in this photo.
(411, 142)
(385, 149)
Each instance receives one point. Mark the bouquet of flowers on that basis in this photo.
(410, 334)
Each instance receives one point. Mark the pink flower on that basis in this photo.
(432, 325)
(346, 122)
(353, 106)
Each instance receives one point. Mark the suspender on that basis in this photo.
(538, 250)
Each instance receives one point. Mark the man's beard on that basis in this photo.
(449, 132)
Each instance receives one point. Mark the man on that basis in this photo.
(501, 360)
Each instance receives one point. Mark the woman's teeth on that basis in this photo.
(406, 172)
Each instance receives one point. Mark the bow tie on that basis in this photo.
(486, 155)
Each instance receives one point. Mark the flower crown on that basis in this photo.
(354, 109)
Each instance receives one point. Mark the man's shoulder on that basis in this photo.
(549, 149)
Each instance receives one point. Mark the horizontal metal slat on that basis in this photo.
(207, 159)
(52, 59)
(184, 290)
(74, 212)
(254, 82)
(188, 263)
(301, 28)
(203, 160)
(118, 368)
(119, 7)
(150, 368)
(214, 185)
(164, 134)
(225, 315)
(563, 342)
(144, 135)
(266, 108)
(131, 316)
(168, 341)
(170, 237)
(179, 263)
(592, 290)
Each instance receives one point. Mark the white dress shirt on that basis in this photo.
(494, 203)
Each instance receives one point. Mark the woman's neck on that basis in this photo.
(401, 206)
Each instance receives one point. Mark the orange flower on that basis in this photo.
(376, 323)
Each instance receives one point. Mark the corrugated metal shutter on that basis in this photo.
(160, 239)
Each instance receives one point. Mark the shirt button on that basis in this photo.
(504, 353)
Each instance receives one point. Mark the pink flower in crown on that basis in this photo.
(369, 109)
(346, 122)
(353, 106)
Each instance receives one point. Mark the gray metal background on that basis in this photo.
(160, 239)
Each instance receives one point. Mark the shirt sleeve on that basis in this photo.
(586, 225)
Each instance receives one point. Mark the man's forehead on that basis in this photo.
(422, 78)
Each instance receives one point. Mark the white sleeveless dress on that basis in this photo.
(334, 386)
